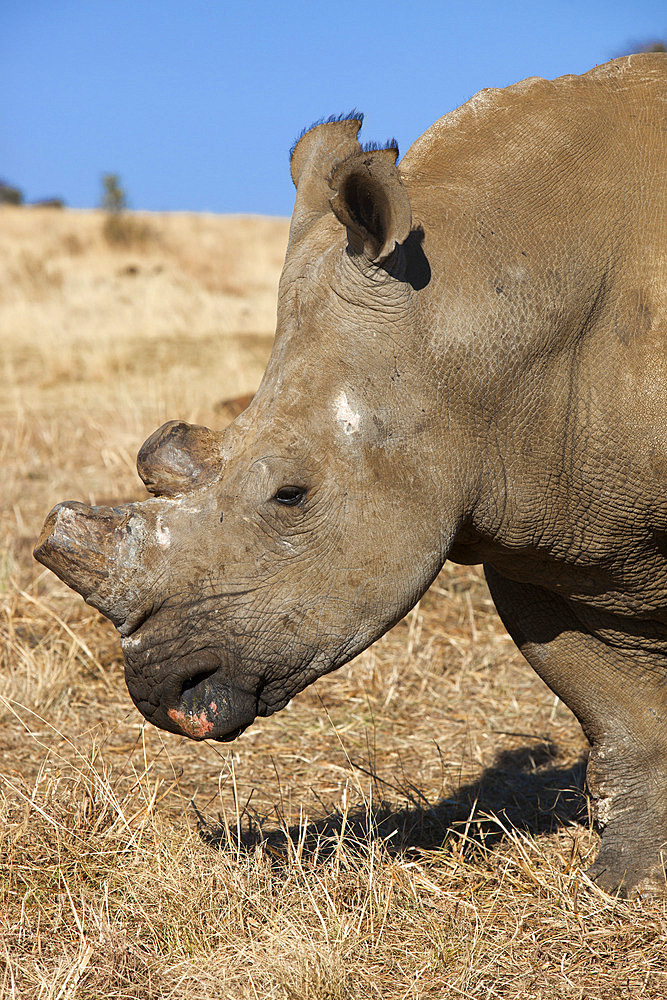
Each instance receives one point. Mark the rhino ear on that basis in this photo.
(312, 158)
(370, 199)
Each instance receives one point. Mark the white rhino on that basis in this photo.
(470, 363)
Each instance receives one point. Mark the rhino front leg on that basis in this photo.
(619, 695)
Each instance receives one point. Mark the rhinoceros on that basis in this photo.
(470, 363)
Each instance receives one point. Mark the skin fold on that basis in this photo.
(470, 363)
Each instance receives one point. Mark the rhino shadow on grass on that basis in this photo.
(520, 791)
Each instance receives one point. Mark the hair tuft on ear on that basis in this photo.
(373, 147)
(351, 116)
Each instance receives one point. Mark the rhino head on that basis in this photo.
(276, 550)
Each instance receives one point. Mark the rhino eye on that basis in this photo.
(290, 496)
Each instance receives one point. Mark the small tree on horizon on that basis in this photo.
(114, 199)
(120, 228)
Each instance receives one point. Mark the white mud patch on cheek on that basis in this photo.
(345, 415)
(162, 533)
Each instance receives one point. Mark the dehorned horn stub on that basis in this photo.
(80, 544)
(106, 554)
(178, 457)
(74, 545)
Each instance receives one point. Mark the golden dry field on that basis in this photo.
(412, 826)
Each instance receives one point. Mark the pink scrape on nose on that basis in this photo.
(195, 726)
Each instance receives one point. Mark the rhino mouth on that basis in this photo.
(192, 696)
(207, 708)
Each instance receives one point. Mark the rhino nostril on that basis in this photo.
(190, 683)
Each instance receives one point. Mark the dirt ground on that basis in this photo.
(412, 826)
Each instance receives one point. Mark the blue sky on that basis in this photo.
(195, 104)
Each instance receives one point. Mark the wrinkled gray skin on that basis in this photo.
(470, 363)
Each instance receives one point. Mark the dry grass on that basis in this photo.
(410, 827)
